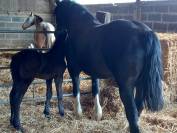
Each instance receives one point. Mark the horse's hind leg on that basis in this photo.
(95, 92)
(48, 97)
(16, 96)
(127, 97)
(139, 96)
(58, 84)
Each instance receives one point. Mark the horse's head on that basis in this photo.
(72, 15)
(31, 20)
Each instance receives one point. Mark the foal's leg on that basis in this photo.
(95, 92)
(127, 97)
(12, 103)
(16, 96)
(59, 89)
(48, 97)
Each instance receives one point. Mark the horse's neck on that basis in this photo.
(83, 27)
(57, 50)
(39, 26)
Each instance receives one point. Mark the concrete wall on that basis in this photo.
(12, 15)
(160, 16)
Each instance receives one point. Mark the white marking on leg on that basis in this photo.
(97, 107)
(78, 107)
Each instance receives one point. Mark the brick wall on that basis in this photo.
(161, 16)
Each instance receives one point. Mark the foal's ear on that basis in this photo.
(38, 19)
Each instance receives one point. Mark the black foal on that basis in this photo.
(29, 64)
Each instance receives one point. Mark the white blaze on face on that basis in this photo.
(28, 22)
(78, 107)
(97, 107)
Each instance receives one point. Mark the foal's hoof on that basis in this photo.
(135, 130)
(61, 111)
(48, 117)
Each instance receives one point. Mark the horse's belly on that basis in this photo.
(40, 40)
(96, 69)
(44, 76)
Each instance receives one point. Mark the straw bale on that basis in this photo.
(169, 56)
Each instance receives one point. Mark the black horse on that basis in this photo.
(127, 51)
(29, 64)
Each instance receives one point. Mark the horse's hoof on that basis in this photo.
(79, 113)
(98, 112)
(98, 117)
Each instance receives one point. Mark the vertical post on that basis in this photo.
(103, 17)
(138, 10)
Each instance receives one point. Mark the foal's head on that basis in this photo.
(31, 20)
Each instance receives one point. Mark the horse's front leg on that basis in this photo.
(48, 97)
(59, 89)
(95, 93)
(76, 93)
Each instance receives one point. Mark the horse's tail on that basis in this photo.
(153, 72)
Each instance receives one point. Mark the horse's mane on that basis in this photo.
(80, 11)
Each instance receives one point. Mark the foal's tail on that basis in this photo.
(153, 73)
(14, 68)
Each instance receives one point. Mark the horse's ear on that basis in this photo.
(57, 2)
(38, 19)
(31, 14)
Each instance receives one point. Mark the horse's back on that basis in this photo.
(111, 46)
(25, 63)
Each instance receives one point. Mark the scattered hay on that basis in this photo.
(34, 121)
(110, 101)
(113, 120)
